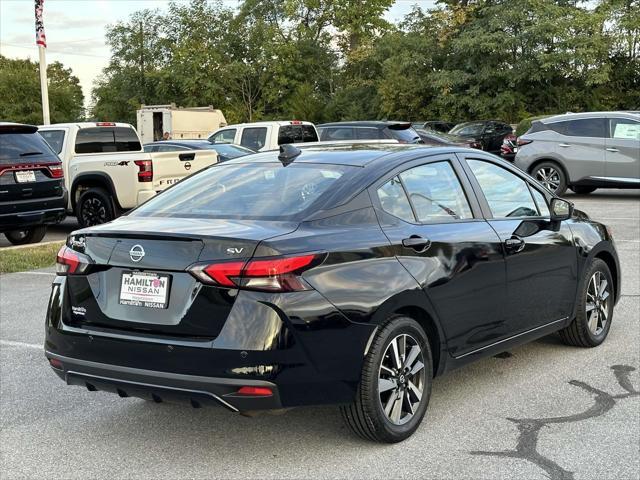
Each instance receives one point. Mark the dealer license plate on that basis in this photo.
(25, 176)
(144, 289)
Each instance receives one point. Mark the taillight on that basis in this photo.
(70, 262)
(56, 170)
(145, 170)
(280, 274)
(476, 145)
(255, 391)
(523, 142)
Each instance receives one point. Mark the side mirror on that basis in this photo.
(561, 209)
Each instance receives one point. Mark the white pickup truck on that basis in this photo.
(106, 170)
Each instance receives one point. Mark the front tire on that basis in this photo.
(551, 175)
(396, 383)
(30, 235)
(595, 308)
(94, 207)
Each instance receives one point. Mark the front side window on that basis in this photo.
(393, 200)
(436, 193)
(507, 194)
(55, 139)
(541, 201)
(266, 191)
(224, 136)
(622, 128)
(367, 133)
(254, 137)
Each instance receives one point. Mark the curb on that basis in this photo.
(30, 245)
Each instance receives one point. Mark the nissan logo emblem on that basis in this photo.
(187, 166)
(136, 253)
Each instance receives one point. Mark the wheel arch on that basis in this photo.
(89, 180)
(552, 160)
(608, 258)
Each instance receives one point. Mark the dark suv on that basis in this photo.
(32, 193)
(487, 133)
(403, 132)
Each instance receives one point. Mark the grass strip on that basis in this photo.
(28, 258)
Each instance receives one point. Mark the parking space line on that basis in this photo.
(13, 343)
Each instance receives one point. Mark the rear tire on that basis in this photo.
(30, 235)
(580, 190)
(551, 175)
(94, 207)
(389, 406)
(595, 308)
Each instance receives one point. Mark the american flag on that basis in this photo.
(41, 38)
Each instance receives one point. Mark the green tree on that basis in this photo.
(20, 96)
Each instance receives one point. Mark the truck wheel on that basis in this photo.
(94, 207)
(30, 235)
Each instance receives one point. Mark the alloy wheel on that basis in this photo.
(549, 177)
(597, 304)
(94, 212)
(401, 379)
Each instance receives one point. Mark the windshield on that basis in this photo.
(25, 148)
(265, 191)
(467, 129)
(229, 150)
(406, 135)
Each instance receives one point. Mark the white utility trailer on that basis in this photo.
(180, 123)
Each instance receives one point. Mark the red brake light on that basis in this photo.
(523, 142)
(255, 391)
(67, 261)
(145, 170)
(295, 122)
(105, 124)
(56, 170)
(273, 274)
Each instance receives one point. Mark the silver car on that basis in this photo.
(583, 151)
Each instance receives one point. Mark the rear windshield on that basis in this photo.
(266, 191)
(468, 129)
(25, 148)
(406, 135)
(297, 134)
(107, 139)
(55, 139)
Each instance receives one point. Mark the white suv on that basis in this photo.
(262, 136)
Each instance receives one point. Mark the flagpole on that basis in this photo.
(44, 88)
(41, 41)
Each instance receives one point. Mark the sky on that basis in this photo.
(75, 30)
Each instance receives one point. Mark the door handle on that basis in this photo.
(416, 243)
(514, 244)
(565, 145)
(611, 149)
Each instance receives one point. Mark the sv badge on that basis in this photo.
(234, 251)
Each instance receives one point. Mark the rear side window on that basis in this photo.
(367, 133)
(405, 135)
(507, 194)
(436, 193)
(55, 139)
(337, 133)
(253, 191)
(25, 148)
(622, 128)
(107, 140)
(585, 127)
(393, 200)
(254, 137)
(297, 134)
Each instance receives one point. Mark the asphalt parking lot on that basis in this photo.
(543, 410)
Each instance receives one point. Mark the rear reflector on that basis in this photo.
(279, 274)
(255, 391)
(145, 170)
(55, 363)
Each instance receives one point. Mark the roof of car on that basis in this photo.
(267, 122)
(356, 155)
(363, 123)
(185, 142)
(573, 116)
(84, 125)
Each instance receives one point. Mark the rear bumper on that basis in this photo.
(17, 214)
(164, 386)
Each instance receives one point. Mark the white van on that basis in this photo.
(262, 136)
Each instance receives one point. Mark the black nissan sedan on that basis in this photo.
(348, 275)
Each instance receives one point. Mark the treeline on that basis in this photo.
(325, 60)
